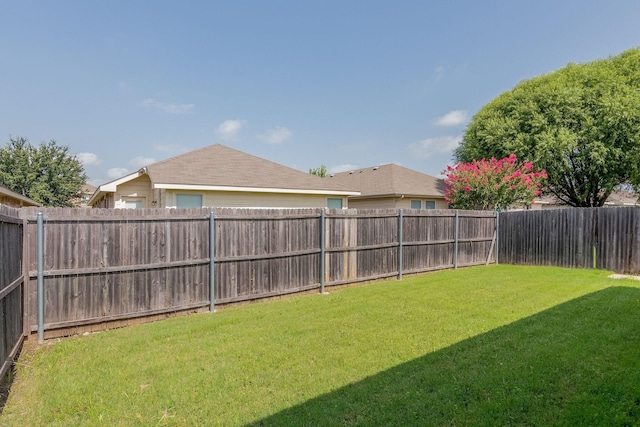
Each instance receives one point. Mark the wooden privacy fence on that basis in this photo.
(110, 267)
(11, 286)
(605, 238)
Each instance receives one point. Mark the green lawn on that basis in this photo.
(497, 345)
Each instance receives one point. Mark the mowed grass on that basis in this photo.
(497, 345)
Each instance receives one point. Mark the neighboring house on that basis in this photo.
(86, 192)
(15, 200)
(219, 176)
(392, 186)
(616, 199)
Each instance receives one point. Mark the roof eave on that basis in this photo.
(112, 186)
(398, 196)
(195, 187)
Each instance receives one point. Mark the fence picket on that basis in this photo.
(113, 265)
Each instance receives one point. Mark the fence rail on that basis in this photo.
(11, 286)
(113, 266)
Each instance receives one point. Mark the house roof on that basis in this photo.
(389, 181)
(622, 198)
(24, 199)
(88, 189)
(617, 198)
(221, 168)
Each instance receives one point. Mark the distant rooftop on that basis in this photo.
(390, 180)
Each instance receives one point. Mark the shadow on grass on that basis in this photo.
(575, 364)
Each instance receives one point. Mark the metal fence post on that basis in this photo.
(400, 238)
(40, 239)
(323, 248)
(212, 255)
(455, 241)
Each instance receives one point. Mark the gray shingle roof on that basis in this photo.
(390, 180)
(219, 165)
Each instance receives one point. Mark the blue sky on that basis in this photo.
(343, 83)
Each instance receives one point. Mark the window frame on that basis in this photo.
(188, 196)
(335, 199)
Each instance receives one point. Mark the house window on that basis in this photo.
(416, 204)
(133, 204)
(430, 204)
(333, 203)
(188, 200)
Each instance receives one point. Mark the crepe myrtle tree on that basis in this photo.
(581, 123)
(47, 173)
(492, 184)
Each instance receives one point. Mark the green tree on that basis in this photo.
(321, 171)
(48, 173)
(580, 123)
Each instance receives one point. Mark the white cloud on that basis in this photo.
(169, 108)
(342, 168)
(141, 161)
(453, 118)
(277, 135)
(115, 173)
(439, 72)
(442, 144)
(88, 159)
(228, 129)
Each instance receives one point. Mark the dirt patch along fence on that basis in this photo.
(11, 286)
(105, 268)
(604, 238)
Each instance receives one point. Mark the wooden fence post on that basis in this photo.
(40, 278)
(455, 241)
(497, 235)
(400, 239)
(323, 247)
(212, 255)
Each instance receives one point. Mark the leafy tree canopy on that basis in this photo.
(48, 173)
(581, 123)
(321, 171)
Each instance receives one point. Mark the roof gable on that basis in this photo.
(221, 166)
(391, 180)
(23, 200)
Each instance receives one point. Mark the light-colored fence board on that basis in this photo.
(265, 252)
(11, 286)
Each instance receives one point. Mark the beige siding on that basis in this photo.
(136, 189)
(372, 203)
(252, 200)
(393, 202)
